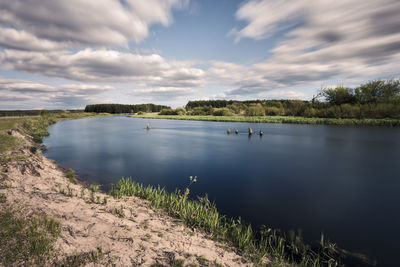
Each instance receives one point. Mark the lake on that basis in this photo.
(341, 181)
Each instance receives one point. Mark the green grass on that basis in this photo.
(203, 214)
(279, 119)
(26, 240)
(6, 159)
(8, 142)
(72, 177)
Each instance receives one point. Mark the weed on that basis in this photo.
(104, 201)
(70, 191)
(26, 240)
(6, 159)
(72, 177)
(120, 212)
(178, 263)
(94, 187)
(3, 197)
(82, 259)
(83, 192)
(204, 215)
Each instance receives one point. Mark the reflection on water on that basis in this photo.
(337, 180)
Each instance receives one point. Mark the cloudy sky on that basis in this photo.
(69, 53)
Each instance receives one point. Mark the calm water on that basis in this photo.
(344, 182)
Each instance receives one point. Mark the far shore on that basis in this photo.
(277, 119)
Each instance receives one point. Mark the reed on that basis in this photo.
(254, 245)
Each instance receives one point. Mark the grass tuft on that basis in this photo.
(72, 177)
(26, 241)
(82, 259)
(254, 245)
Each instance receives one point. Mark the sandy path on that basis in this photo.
(127, 230)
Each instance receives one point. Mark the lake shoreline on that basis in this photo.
(65, 189)
(121, 231)
(279, 119)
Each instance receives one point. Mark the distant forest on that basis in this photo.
(375, 99)
(120, 108)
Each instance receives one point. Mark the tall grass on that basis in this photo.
(254, 245)
(279, 119)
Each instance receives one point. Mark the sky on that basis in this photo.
(64, 54)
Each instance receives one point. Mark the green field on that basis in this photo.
(278, 119)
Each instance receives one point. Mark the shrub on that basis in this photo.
(256, 110)
(222, 112)
(273, 111)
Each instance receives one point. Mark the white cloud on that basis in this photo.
(344, 40)
(81, 23)
(34, 94)
(106, 66)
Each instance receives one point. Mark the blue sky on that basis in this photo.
(69, 53)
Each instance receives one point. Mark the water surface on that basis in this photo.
(342, 181)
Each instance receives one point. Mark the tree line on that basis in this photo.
(120, 108)
(375, 99)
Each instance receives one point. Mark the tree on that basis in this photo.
(339, 95)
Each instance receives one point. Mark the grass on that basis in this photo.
(72, 177)
(255, 246)
(6, 159)
(8, 142)
(29, 240)
(278, 119)
(26, 240)
(82, 259)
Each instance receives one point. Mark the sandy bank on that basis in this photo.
(127, 231)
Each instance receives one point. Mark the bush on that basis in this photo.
(256, 110)
(273, 111)
(222, 112)
(310, 112)
(168, 111)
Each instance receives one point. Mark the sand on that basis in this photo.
(128, 231)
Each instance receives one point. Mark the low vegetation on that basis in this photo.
(26, 240)
(29, 239)
(72, 176)
(203, 214)
(280, 119)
